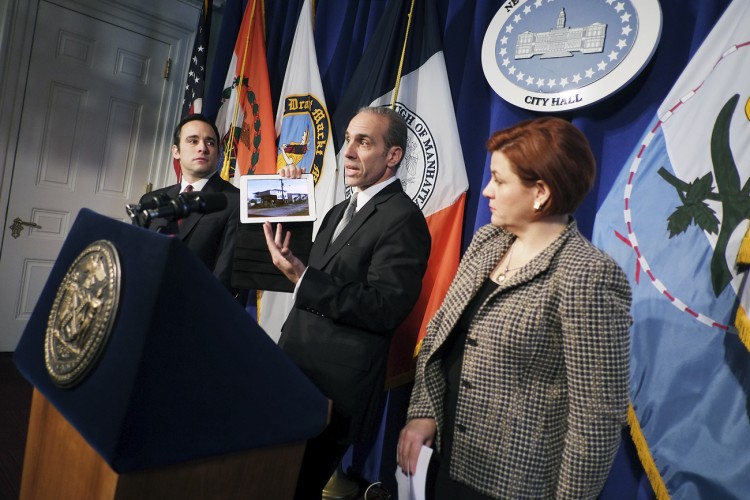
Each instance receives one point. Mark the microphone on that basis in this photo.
(136, 210)
(156, 201)
(185, 204)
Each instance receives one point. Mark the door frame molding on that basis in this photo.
(170, 21)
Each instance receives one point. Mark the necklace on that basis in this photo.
(501, 276)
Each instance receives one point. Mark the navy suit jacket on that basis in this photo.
(354, 294)
(211, 237)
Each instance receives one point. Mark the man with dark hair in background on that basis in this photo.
(211, 236)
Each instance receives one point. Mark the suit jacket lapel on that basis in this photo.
(324, 235)
(359, 219)
(188, 223)
(539, 264)
(214, 184)
(542, 262)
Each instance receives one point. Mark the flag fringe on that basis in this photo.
(742, 322)
(743, 256)
(418, 348)
(649, 466)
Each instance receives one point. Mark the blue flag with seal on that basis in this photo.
(674, 220)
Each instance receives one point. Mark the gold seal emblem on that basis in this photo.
(82, 314)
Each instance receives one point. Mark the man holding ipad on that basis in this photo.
(363, 277)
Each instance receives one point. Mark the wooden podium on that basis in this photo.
(60, 464)
(202, 405)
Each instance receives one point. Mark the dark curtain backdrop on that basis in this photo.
(613, 126)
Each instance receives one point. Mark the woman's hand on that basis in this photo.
(417, 432)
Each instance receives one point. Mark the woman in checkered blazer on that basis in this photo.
(522, 380)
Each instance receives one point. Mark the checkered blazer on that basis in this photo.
(544, 384)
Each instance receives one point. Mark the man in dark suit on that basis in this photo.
(209, 236)
(358, 286)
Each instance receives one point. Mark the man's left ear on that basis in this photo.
(394, 156)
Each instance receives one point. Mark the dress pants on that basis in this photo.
(323, 455)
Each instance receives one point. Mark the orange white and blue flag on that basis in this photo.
(403, 67)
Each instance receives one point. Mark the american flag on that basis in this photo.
(193, 100)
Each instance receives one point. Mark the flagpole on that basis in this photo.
(229, 147)
(403, 56)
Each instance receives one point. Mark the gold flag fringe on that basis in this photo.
(742, 322)
(418, 348)
(743, 256)
(657, 483)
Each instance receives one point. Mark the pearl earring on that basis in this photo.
(537, 206)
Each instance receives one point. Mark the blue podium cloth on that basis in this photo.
(186, 373)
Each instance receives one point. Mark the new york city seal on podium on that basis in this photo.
(83, 314)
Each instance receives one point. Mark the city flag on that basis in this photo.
(192, 101)
(408, 73)
(674, 221)
(245, 119)
(305, 140)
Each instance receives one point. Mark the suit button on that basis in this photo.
(471, 341)
(467, 384)
(460, 427)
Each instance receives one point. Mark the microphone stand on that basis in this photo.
(135, 212)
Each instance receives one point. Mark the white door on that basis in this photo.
(89, 126)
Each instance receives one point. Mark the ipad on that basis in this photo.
(276, 199)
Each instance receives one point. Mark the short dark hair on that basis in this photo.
(552, 150)
(397, 132)
(195, 117)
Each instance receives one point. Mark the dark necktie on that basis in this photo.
(188, 189)
(348, 214)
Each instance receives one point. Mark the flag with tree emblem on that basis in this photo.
(674, 220)
(245, 119)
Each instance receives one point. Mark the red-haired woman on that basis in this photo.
(522, 380)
